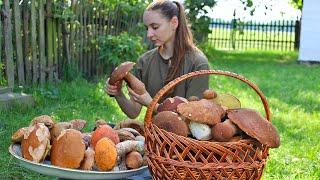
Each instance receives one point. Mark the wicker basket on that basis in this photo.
(171, 156)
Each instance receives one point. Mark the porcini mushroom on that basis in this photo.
(131, 123)
(256, 126)
(35, 144)
(57, 128)
(209, 94)
(200, 131)
(134, 160)
(68, 149)
(45, 119)
(171, 122)
(203, 111)
(78, 124)
(224, 131)
(170, 104)
(88, 160)
(123, 72)
(18, 135)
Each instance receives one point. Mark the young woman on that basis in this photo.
(174, 56)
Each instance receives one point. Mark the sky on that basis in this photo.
(278, 10)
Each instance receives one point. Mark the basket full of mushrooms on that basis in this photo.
(62, 148)
(209, 138)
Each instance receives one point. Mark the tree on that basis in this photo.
(197, 14)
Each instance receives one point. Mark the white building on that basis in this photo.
(310, 32)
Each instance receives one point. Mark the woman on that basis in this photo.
(174, 56)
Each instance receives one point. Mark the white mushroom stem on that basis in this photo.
(130, 145)
(224, 131)
(200, 131)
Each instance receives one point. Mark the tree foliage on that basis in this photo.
(197, 11)
(297, 4)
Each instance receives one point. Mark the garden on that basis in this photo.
(88, 46)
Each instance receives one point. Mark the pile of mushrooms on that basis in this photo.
(65, 145)
(216, 117)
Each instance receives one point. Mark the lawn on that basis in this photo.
(290, 88)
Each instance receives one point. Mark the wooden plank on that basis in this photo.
(55, 50)
(50, 40)
(26, 42)
(81, 38)
(72, 31)
(42, 52)
(35, 63)
(19, 58)
(8, 49)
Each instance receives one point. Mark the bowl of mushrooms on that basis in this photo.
(61, 149)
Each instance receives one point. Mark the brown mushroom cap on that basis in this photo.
(256, 126)
(209, 94)
(57, 128)
(134, 160)
(120, 72)
(223, 131)
(88, 160)
(170, 104)
(203, 111)
(45, 119)
(36, 142)
(171, 122)
(193, 98)
(68, 149)
(78, 124)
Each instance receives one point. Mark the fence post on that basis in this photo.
(50, 40)
(297, 34)
(8, 44)
(17, 25)
(35, 63)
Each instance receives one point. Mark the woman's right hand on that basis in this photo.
(114, 90)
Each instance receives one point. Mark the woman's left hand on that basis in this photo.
(144, 99)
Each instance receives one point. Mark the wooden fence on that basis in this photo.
(237, 35)
(40, 38)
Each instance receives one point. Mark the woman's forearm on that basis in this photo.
(128, 106)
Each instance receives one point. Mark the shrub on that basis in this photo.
(115, 49)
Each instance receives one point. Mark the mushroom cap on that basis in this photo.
(227, 100)
(171, 122)
(209, 94)
(203, 111)
(35, 143)
(57, 128)
(170, 104)
(45, 119)
(120, 72)
(131, 123)
(223, 131)
(78, 124)
(68, 149)
(18, 135)
(104, 131)
(105, 154)
(134, 160)
(256, 126)
(193, 98)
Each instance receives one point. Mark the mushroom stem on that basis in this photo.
(135, 84)
(224, 131)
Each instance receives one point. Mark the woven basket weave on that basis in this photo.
(171, 156)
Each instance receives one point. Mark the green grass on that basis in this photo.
(290, 88)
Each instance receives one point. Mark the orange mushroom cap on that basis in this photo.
(120, 72)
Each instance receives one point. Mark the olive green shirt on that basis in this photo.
(152, 70)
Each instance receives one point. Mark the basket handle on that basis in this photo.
(171, 84)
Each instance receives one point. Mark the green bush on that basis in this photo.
(3, 81)
(120, 48)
